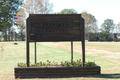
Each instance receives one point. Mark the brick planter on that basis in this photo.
(46, 72)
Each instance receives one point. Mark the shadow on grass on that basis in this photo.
(104, 76)
(112, 76)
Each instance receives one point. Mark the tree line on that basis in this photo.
(21, 8)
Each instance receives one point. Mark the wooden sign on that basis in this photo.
(54, 27)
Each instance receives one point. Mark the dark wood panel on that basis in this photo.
(55, 72)
(55, 68)
(54, 17)
(51, 74)
(55, 27)
(55, 38)
(61, 67)
(55, 31)
(49, 24)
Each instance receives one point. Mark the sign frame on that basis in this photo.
(59, 20)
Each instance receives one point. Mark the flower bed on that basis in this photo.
(45, 72)
(56, 71)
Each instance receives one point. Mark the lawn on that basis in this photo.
(105, 54)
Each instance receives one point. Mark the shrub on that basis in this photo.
(63, 63)
(89, 63)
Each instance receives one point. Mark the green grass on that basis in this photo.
(14, 54)
(45, 53)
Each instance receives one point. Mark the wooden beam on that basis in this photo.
(83, 40)
(27, 42)
(71, 50)
(35, 52)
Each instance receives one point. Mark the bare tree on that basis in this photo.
(32, 7)
(38, 6)
(21, 25)
(90, 23)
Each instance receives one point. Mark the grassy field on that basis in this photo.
(105, 54)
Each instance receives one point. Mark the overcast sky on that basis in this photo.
(101, 9)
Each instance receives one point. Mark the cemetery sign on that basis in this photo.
(54, 27)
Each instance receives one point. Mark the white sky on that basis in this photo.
(101, 9)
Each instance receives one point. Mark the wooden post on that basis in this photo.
(83, 40)
(27, 42)
(35, 52)
(71, 50)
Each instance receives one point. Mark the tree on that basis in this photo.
(21, 30)
(8, 8)
(32, 7)
(90, 24)
(107, 26)
(38, 6)
(21, 25)
(67, 11)
(118, 27)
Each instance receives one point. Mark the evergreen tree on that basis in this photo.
(8, 9)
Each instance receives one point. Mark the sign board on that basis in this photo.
(54, 27)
